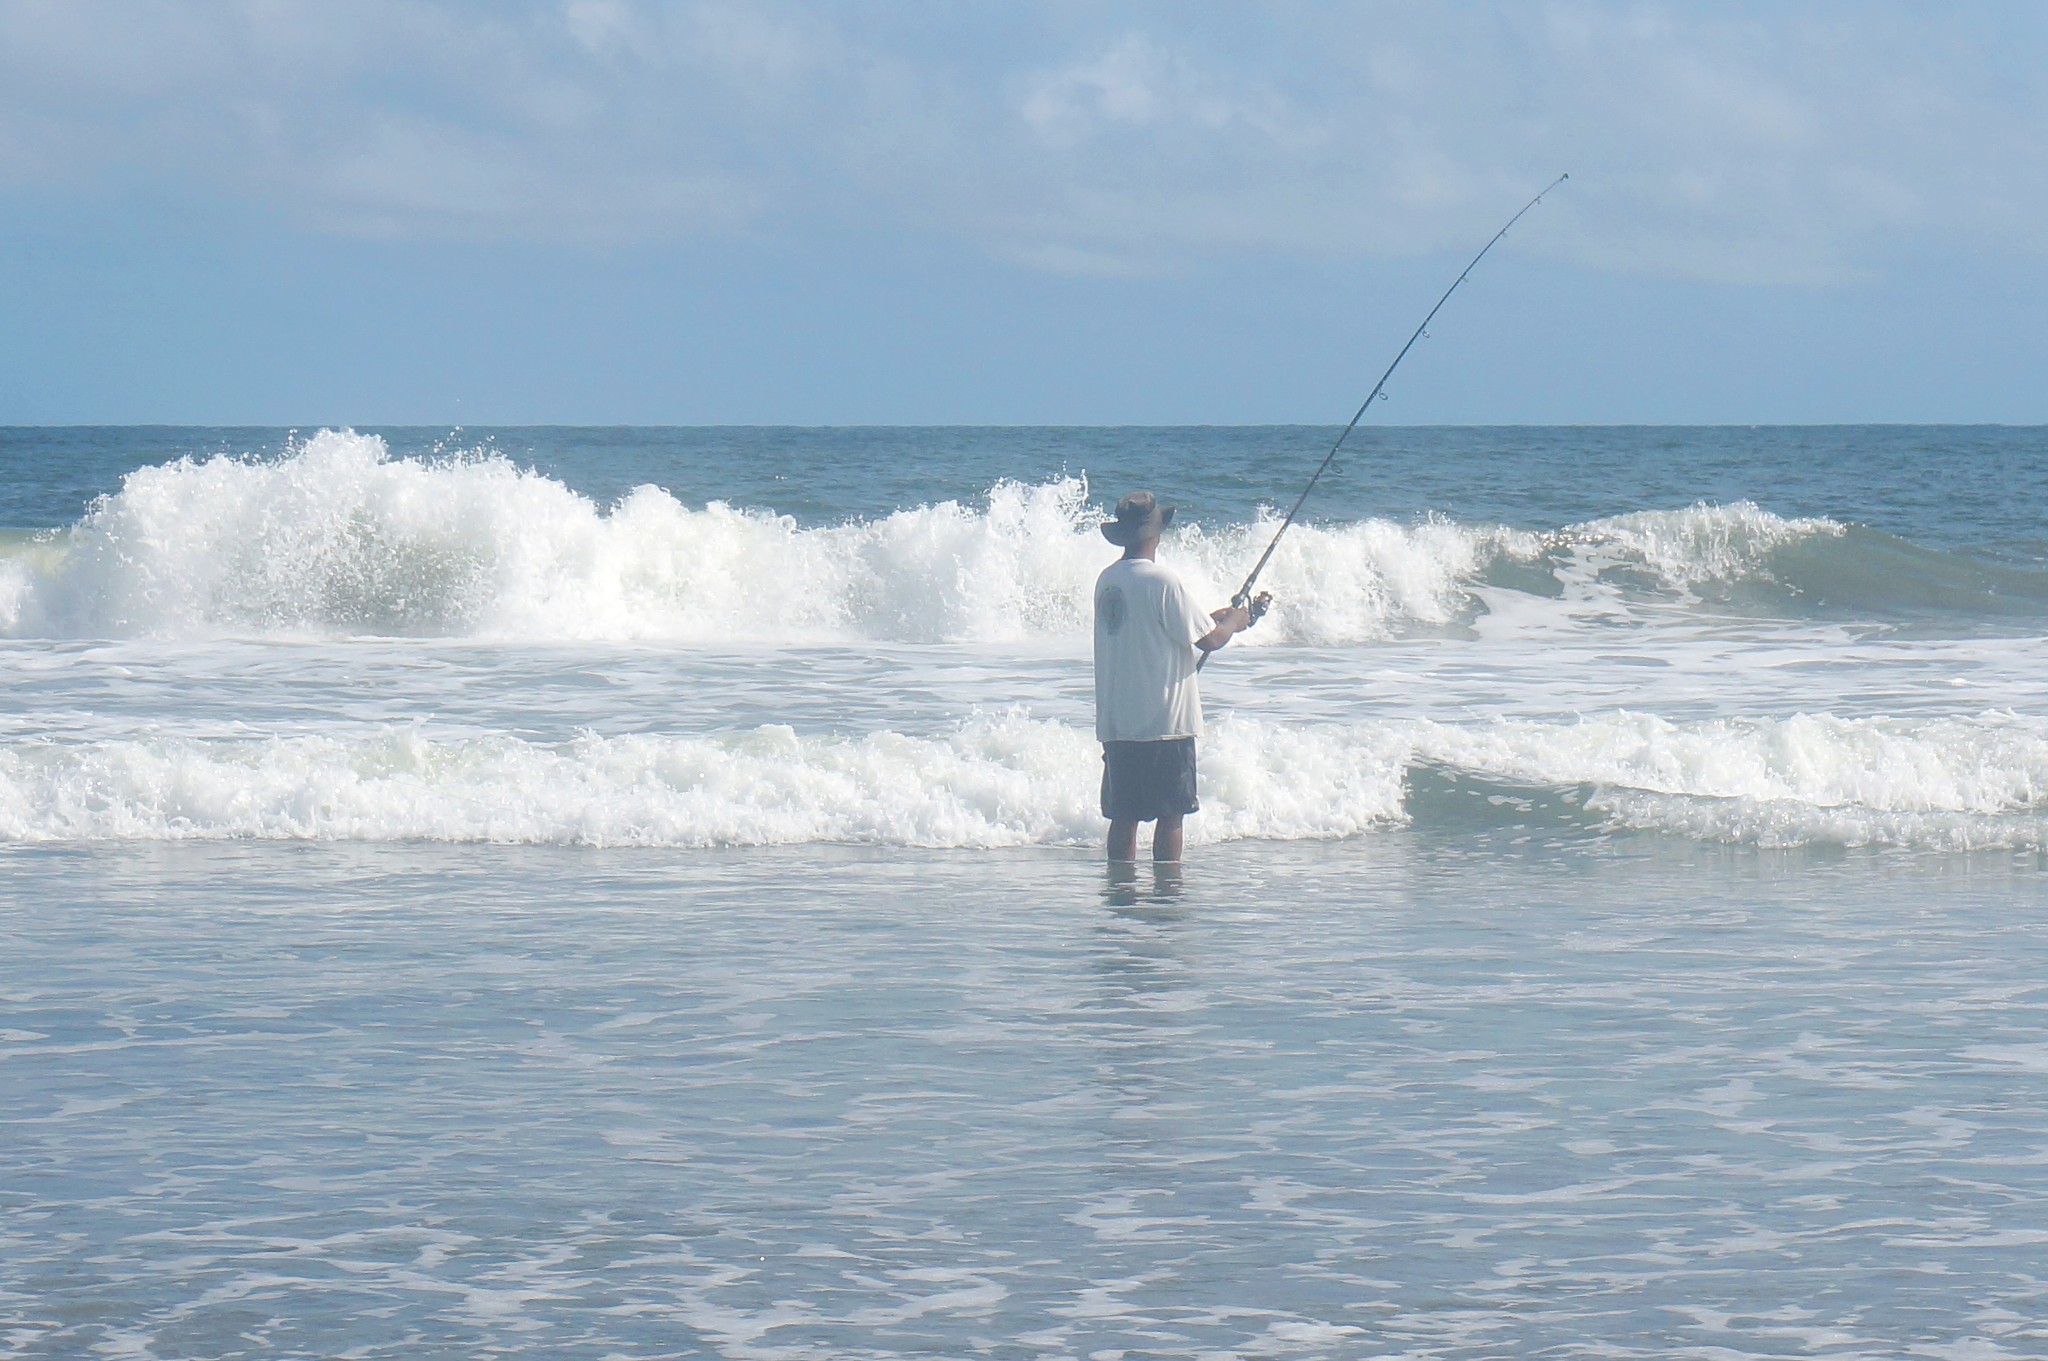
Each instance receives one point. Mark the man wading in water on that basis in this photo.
(1148, 707)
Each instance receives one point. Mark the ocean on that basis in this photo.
(608, 893)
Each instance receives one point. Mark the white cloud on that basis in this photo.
(1731, 142)
(1138, 83)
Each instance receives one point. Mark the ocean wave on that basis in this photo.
(1013, 780)
(336, 538)
(996, 781)
(1951, 783)
(1681, 549)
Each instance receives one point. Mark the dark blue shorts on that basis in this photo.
(1142, 781)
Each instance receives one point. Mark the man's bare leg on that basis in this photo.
(1123, 840)
(1166, 840)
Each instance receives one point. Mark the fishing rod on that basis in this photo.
(1244, 596)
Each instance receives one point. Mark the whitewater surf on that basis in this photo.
(333, 640)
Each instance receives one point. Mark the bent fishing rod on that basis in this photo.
(1244, 597)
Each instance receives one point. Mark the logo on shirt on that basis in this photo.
(1110, 609)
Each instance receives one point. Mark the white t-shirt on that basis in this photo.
(1145, 633)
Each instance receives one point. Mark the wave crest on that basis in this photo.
(1011, 780)
(338, 538)
(1681, 549)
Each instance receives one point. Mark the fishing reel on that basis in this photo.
(1257, 606)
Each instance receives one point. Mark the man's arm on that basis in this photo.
(1231, 620)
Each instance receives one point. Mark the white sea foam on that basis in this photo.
(1351, 583)
(996, 781)
(1945, 783)
(1011, 780)
(337, 538)
(1683, 548)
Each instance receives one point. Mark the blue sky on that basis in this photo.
(629, 211)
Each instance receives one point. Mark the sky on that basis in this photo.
(808, 212)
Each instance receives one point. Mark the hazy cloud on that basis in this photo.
(1784, 143)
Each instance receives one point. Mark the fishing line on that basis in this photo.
(1244, 592)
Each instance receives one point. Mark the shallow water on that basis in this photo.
(1432, 1097)
(622, 893)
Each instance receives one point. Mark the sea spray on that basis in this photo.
(1683, 548)
(337, 538)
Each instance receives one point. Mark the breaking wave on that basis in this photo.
(1012, 780)
(337, 538)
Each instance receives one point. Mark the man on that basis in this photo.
(1148, 709)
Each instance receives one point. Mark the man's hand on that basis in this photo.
(1231, 620)
(1236, 616)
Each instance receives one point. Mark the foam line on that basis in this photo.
(1011, 780)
